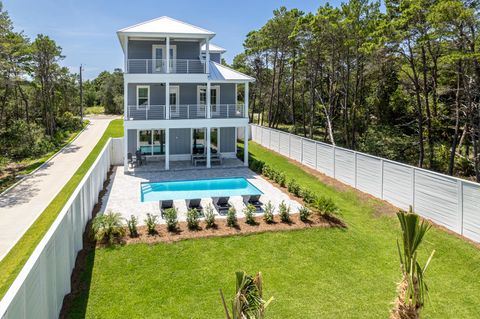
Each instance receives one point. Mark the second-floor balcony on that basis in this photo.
(185, 111)
(161, 66)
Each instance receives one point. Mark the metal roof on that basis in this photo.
(213, 48)
(166, 25)
(222, 73)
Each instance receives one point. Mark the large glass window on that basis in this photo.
(158, 142)
(143, 95)
(198, 143)
(145, 142)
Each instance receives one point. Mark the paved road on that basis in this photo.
(21, 206)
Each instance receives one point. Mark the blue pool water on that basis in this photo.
(200, 188)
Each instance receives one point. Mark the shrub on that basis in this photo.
(249, 212)
(108, 227)
(132, 226)
(151, 223)
(256, 165)
(171, 219)
(268, 215)
(284, 212)
(304, 213)
(266, 170)
(307, 195)
(69, 122)
(232, 217)
(326, 206)
(281, 179)
(294, 188)
(192, 219)
(209, 216)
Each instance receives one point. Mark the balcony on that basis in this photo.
(185, 112)
(159, 66)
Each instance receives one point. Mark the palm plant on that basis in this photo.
(108, 227)
(413, 289)
(248, 302)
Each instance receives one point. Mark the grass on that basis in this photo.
(94, 110)
(13, 262)
(314, 273)
(30, 164)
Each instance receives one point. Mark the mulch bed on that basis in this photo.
(221, 229)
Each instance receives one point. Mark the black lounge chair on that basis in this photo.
(255, 201)
(164, 205)
(195, 203)
(222, 205)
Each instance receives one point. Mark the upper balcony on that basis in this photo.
(185, 112)
(162, 66)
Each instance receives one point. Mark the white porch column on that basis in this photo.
(167, 100)
(208, 146)
(125, 100)
(208, 93)
(125, 150)
(207, 56)
(167, 47)
(125, 67)
(245, 146)
(167, 148)
(245, 109)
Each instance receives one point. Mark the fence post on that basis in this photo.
(334, 174)
(301, 151)
(413, 189)
(316, 156)
(270, 139)
(355, 167)
(460, 204)
(381, 172)
(289, 145)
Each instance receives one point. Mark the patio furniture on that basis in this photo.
(164, 205)
(255, 201)
(196, 203)
(140, 159)
(130, 159)
(222, 205)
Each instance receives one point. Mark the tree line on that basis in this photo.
(399, 81)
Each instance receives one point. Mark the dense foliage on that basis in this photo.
(400, 82)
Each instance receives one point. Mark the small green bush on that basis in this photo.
(192, 219)
(232, 217)
(268, 214)
(69, 122)
(284, 212)
(249, 212)
(209, 216)
(151, 223)
(108, 227)
(308, 196)
(170, 216)
(266, 170)
(256, 165)
(294, 188)
(132, 226)
(304, 213)
(281, 179)
(326, 206)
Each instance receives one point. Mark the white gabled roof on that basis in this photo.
(166, 25)
(222, 73)
(213, 48)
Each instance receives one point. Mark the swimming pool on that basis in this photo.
(200, 188)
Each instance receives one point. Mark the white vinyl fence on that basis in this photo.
(448, 201)
(39, 288)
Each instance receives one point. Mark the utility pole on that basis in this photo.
(81, 94)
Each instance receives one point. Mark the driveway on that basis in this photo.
(23, 203)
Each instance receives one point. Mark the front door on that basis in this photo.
(214, 100)
(174, 102)
(159, 58)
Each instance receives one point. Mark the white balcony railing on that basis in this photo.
(180, 66)
(188, 111)
(146, 112)
(223, 111)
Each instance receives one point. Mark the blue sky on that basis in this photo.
(85, 29)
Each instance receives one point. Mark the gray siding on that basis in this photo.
(180, 141)
(142, 49)
(215, 57)
(157, 93)
(132, 141)
(227, 93)
(227, 139)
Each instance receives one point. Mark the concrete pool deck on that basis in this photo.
(124, 196)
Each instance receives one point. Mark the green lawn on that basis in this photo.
(316, 273)
(11, 265)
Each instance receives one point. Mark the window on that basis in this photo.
(143, 95)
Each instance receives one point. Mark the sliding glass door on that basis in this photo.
(151, 142)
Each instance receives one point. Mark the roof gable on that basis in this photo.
(213, 48)
(166, 25)
(219, 72)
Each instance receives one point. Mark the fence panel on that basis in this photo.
(471, 211)
(436, 198)
(369, 175)
(446, 200)
(345, 166)
(309, 153)
(41, 285)
(274, 141)
(397, 184)
(325, 159)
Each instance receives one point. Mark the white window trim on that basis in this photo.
(164, 47)
(141, 107)
(176, 87)
(212, 87)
